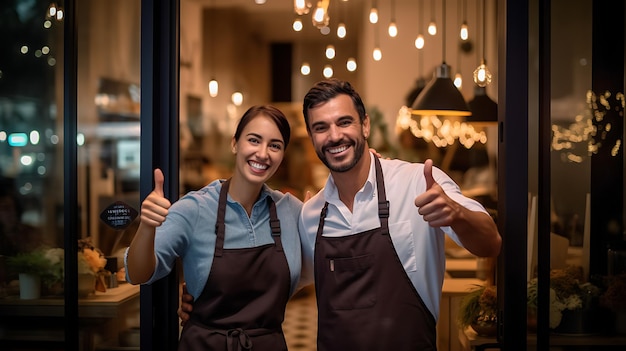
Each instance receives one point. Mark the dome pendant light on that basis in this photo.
(440, 96)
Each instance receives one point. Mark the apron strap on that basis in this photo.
(383, 203)
(220, 226)
(274, 224)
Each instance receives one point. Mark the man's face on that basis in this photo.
(337, 134)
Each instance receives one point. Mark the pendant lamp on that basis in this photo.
(483, 108)
(440, 96)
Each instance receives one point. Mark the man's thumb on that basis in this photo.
(158, 181)
(428, 173)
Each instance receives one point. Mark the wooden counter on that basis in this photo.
(102, 316)
(98, 305)
(447, 329)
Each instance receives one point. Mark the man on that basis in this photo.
(375, 233)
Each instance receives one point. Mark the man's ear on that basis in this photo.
(366, 126)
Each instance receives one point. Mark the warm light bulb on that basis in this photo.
(330, 52)
(237, 98)
(419, 41)
(297, 25)
(351, 64)
(52, 10)
(213, 88)
(341, 31)
(328, 71)
(374, 15)
(377, 54)
(320, 15)
(432, 28)
(301, 7)
(482, 76)
(464, 34)
(260, 2)
(393, 29)
(305, 69)
(458, 81)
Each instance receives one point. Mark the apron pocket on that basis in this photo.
(352, 282)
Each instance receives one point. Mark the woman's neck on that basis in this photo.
(244, 192)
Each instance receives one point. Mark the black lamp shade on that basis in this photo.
(483, 108)
(441, 97)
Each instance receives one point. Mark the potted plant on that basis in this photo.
(573, 302)
(478, 309)
(32, 268)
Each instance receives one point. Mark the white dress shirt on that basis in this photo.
(419, 246)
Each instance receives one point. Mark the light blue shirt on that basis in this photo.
(189, 233)
(420, 247)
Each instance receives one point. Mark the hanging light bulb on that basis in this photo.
(393, 28)
(482, 75)
(320, 15)
(305, 69)
(213, 87)
(341, 31)
(377, 54)
(330, 52)
(419, 41)
(351, 64)
(458, 81)
(301, 7)
(52, 10)
(328, 71)
(237, 98)
(374, 15)
(297, 25)
(464, 33)
(432, 26)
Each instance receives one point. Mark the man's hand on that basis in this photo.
(434, 205)
(155, 207)
(186, 305)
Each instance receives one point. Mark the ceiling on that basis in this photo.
(275, 17)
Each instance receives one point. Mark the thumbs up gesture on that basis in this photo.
(434, 205)
(155, 207)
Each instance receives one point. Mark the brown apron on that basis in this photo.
(365, 299)
(243, 302)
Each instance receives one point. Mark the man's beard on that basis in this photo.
(359, 146)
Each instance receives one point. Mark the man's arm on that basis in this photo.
(476, 230)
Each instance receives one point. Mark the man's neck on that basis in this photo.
(350, 182)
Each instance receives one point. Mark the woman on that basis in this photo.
(238, 240)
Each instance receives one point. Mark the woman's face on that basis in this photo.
(259, 150)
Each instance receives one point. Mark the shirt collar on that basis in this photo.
(330, 189)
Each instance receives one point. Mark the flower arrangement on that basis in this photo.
(479, 308)
(49, 263)
(568, 291)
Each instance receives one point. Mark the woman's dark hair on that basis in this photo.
(327, 89)
(266, 110)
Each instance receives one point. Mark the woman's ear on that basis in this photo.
(233, 145)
